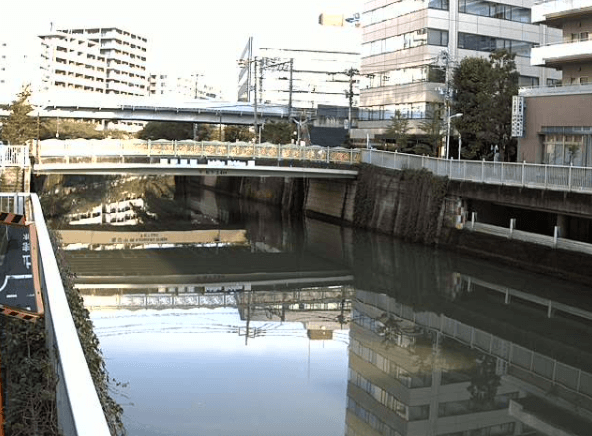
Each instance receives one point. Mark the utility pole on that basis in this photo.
(446, 57)
(290, 88)
(255, 99)
(350, 95)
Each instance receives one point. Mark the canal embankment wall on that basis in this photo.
(413, 205)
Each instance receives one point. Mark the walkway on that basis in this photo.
(538, 176)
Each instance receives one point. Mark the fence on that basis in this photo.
(95, 150)
(14, 156)
(13, 203)
(554, 177)
(78, 407)
(535, 238)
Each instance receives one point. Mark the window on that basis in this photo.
(438, 37)
(494, 10)
(438, 4)
(484, 43)
(528, 81)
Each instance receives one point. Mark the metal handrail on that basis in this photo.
(551, 177)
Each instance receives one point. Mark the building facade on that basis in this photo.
(409, 47)
(184, 87)
(105, 60)
(554, 124)
(303, 76)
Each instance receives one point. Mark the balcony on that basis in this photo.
(553, 12)
(555, 55)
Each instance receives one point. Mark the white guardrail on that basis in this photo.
(81, 150)
(14, 156)
(78, 406)
(553, 177)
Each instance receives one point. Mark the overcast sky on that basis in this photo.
(203, 35)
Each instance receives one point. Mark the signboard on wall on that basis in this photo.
(517, 116)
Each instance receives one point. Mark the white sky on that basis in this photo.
(203, 35)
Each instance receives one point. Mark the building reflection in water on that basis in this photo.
(420, 373)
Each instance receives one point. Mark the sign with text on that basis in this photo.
(20, 289)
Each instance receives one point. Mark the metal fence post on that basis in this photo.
(482, 170)
(473, 219)
(556, 234)
(512, 226)
(546, 176)
(328, 154)
(569, 177)
(523, 169)
(502, 174)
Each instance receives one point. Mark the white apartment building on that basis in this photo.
(182, 87)
(307, 74)
(71, 62)
(402, 65)
(105, 60)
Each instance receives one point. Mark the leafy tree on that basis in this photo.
(277, 132)
(19, 127)
(484, 383)
(433, 127)
(234, 133)
(398, 130)
(204, 132)
(166, 130)
(484, 90)
(69, 130)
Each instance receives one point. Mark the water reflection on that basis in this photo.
(360, 334)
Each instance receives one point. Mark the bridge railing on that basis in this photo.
(78, 151)
(554, 177)
(78, 407)
(14, 155)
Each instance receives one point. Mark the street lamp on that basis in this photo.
(448, 132)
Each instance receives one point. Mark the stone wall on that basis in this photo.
(407, 204)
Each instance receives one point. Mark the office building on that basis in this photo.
(554, 124)
(301, 75)
(408, 46)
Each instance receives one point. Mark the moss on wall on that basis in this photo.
(406, 204)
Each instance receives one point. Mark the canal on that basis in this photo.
(223, 317)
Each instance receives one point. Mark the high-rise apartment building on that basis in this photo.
(554, 124)
(106, 60)
(184, 87)
(406, 46)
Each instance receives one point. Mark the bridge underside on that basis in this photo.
(200, 116)
(193, 170)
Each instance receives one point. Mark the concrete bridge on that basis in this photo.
(192, 158)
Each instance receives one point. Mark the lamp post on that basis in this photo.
(448, 132)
